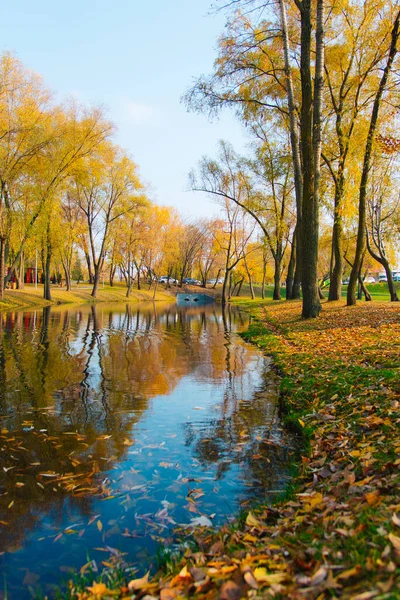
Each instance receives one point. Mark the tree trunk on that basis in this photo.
(224, 298)
(367, 295)
(20, 273)
(263, 284)
(310, 143)
(295, 149)
(277, 278)
(362, 202)
(155, 289)
(89, 266)
(239, 286)
(2, 266)
(291, 269)
(392, 288)
(96, 280)
(68, 281)
(335, 285)
(381, 259)
(47, 264)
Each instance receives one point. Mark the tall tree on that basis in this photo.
(362, 202)
(106, 187)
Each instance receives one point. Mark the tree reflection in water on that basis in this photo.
(99, 402)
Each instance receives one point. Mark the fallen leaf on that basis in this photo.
(396, 520)
(251, 580)
(353, 572)
(262, 576)
(230, 591)
(251, 521)
(319, 576)
(372, 498)
(138, 584)
(395, 539)
(99, 589)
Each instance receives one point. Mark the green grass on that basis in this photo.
(378, 291)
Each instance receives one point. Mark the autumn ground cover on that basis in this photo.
(336, 533)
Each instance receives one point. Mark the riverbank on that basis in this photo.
(337, 532)
(29, 297)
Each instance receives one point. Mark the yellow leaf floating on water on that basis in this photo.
(99, 525)
(252, 521)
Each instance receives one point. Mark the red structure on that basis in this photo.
(30, 275)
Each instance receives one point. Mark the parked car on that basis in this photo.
(345, 281)
(369, 279)
(382, 278)
(396, 276)
(190, 281)
(165, 279)
(215, 281)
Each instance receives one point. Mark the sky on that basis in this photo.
(137, 59)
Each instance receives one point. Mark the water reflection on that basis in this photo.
(107, 415)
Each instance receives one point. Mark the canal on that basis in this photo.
(119, 424)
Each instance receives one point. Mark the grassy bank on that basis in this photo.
(30, 297)
(337, 533)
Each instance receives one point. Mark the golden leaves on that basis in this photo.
(252, 521)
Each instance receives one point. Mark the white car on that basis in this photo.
(369, 280)
(164, 279)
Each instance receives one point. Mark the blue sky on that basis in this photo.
(137, 58)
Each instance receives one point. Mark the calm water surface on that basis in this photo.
(117, 424)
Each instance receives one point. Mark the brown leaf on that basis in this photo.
(216, 548)
(230, 591)
(319, 576)
(373, 498)
(251, 580)
(168, 594)
(197, 573)
(395, 539)
(395, 519)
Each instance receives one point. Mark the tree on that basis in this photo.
(25, 111)
(362, 203)
(191, 240)
(380, 230)
(106, 187)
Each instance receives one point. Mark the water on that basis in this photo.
(117, 424)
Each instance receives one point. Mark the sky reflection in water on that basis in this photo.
(117, 423)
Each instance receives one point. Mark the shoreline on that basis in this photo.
(336, 531)
(31, 298)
